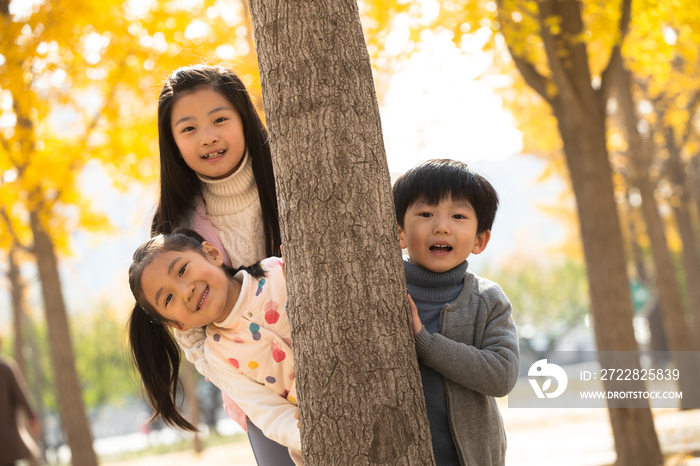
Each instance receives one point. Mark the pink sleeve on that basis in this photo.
(202, 225)
(234, 411)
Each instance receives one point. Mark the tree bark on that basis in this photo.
(691, 265)
(580, 113)
(68, 390)
(360, 394)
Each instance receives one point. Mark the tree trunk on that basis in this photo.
(68, 390)
(635, 248)
(189, 383)
(695, 181)
(680, 204)
(580, 113)
(17, 290)
(584, 144)
(360, 394)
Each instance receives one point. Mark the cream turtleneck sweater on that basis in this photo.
(233, 207)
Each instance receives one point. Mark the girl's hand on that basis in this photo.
(296, 416)
(234, 411)
(417, 324)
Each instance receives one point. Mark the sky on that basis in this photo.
(433, 108)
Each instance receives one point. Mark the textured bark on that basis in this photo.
(68, 391)
(360, 394)
(691, 265)
(580, 113)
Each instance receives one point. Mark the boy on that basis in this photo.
(465, 337)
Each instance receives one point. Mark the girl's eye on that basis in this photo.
(167, 300)
(188, 129)
(425, 214)
(459, 216)
(219, 120)
(182, 270)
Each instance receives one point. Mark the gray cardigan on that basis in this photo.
(477, 353)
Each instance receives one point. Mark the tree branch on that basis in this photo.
(559, 73)
(15, 238)
(533, 79)
(527, 70)
(693, 107)
(607, 79)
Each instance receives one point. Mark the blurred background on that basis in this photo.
(79, 82)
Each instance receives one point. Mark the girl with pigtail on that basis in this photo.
(216, 178)
(180, 281)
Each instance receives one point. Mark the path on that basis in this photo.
(536, 437)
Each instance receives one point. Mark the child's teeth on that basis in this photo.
(206, 292)
(215, 154)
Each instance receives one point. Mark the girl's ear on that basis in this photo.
(176, 326)
(213, 252)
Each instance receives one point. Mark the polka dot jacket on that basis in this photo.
(255, 338)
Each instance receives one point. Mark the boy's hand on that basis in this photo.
(417, 324)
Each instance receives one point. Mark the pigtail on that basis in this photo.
(157, 358)
(255, 270)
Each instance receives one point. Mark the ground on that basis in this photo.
(541, 437)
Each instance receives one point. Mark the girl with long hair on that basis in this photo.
(216, 178)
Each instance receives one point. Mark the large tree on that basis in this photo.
(561, 74)
(360, 394)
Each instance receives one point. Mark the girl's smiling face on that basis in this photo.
(208, 132)
(189, 289)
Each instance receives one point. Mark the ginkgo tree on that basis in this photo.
(79, 82)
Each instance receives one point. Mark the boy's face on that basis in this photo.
(440, 237)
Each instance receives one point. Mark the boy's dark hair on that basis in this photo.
(179, 185)
(435, 180)
(154, 350)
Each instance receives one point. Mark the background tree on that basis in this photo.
(359, 389)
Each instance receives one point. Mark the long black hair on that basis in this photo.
(180, 187)
(154, 350)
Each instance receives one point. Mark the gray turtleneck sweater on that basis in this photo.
(431, 291)
(468, 354)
